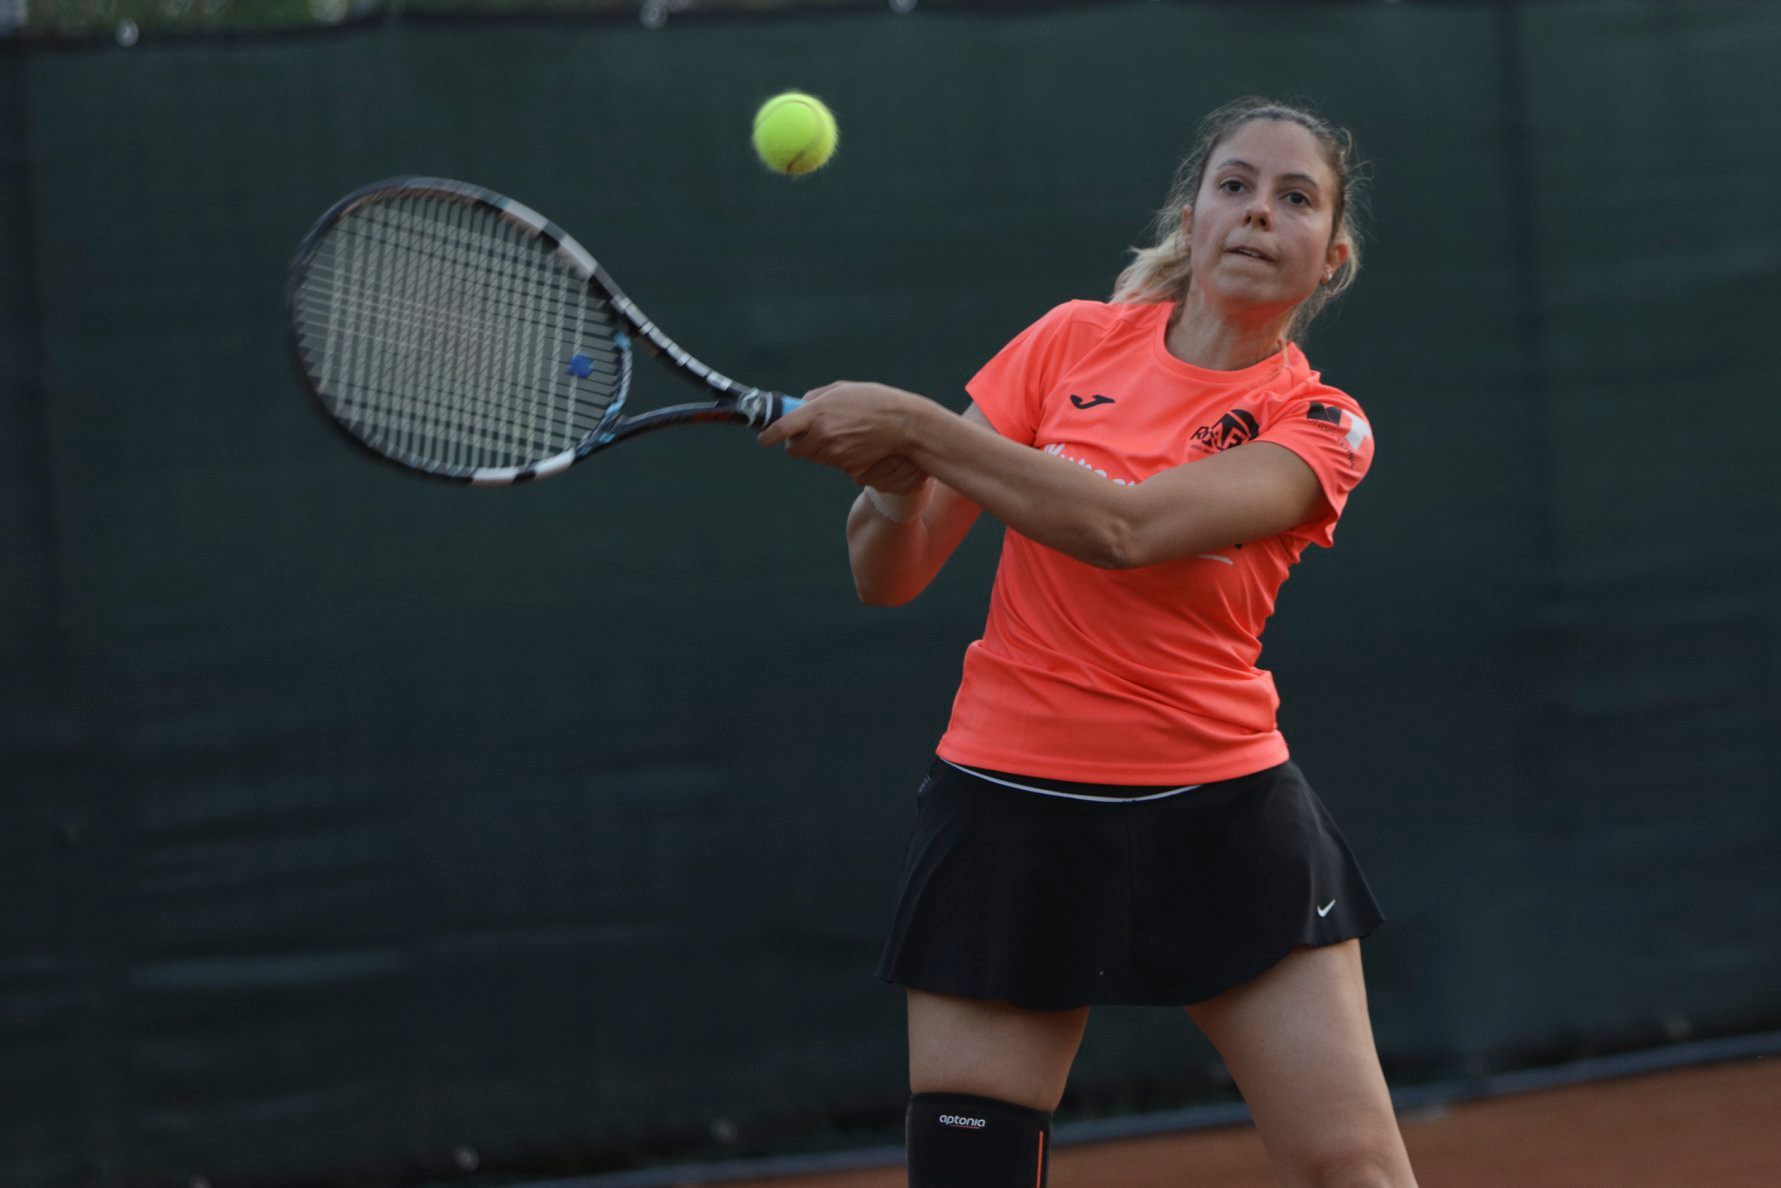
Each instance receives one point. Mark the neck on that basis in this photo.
(1219, 340)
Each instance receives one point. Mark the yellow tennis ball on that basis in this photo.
(795, 133)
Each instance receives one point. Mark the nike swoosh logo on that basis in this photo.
(1325, 909)
(1091, 401)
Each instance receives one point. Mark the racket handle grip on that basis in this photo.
(756, 407)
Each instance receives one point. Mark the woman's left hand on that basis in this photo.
(894, 475)
(850, 426)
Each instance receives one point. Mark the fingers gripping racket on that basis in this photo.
(460, 334)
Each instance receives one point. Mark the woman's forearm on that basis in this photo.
(887, 558)
(1046, 499)
(1245, 493)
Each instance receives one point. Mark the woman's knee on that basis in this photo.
(960, 1140)
(1358, 1163)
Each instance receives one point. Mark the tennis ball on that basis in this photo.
(795, 133)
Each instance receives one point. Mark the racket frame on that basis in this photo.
(732, 403)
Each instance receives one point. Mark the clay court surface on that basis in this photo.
(1712, 1127)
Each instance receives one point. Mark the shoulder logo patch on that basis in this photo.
(1358, 429)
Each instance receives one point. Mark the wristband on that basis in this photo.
(900, 509)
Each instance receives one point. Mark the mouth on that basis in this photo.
(1252, 253)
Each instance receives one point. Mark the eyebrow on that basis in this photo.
(1239, 163)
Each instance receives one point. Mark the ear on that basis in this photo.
(1187, 225)
(1337, 256)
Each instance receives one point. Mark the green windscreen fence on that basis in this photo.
(356, 830)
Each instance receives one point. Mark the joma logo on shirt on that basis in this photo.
(1232, 429)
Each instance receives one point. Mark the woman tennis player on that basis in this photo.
(1112, 815)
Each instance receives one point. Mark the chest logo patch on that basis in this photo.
(1090, 401)
(1058, 449)
(1232, 429)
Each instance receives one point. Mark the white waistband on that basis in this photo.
(971, 771)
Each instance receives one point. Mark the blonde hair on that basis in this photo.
(1164, 271)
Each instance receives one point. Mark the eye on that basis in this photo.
(1298, 198)
(1230, 185)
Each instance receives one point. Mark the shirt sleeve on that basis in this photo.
(1011, 387)
(1329, 431)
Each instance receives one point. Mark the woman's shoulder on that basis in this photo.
(1305, 384)
(1084, 322)
(1105, 314)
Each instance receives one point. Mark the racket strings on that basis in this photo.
(477, 279)
(387, 300)
(441, 331)
(419, 401)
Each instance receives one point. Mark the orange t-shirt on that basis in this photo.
(1140, 676)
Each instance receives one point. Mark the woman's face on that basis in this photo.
(1261, 224)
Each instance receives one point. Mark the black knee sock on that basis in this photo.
(956, 1140)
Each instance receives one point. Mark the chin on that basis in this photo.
(1244, 292)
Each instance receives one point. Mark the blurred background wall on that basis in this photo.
(349, 824)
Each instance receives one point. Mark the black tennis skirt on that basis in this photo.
(1057, 895)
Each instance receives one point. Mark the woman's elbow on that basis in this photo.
(1114, 544)
(1129, 544)
(885, 598)
(882, 594)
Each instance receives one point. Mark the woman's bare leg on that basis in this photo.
(991, 1049)
(1299, 1042)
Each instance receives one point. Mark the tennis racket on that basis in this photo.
(461, 335)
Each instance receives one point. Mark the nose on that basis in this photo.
(1257, 214)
